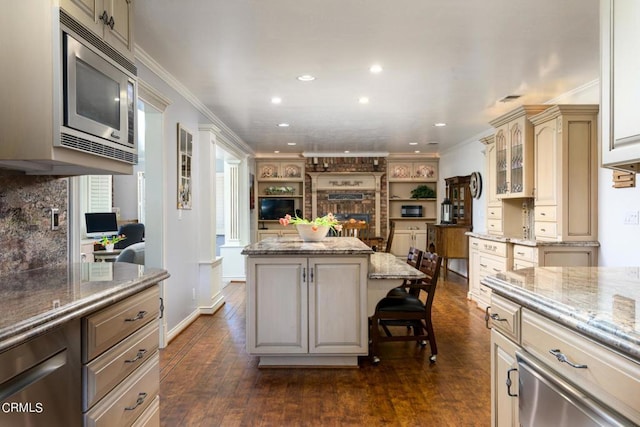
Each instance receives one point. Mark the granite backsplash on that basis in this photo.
(25, 221)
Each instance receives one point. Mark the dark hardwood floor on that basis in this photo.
(208, 379)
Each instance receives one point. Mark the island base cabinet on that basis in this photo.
(307, 309)
(504, 399)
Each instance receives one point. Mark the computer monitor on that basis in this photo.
(101, 224)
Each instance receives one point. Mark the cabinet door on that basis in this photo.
(400, 171)
(420, 240)
(520, 158)
(120, 36)
(402, 241)
(546, 163)
(87, 12)
(620, 42)
(338, 305)
(504, 411)
(491, 184)
(277, 305)
(474, 268)
(501, 161)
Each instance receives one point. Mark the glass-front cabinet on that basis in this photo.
(514, 152)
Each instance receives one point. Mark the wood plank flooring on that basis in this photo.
(208, 379)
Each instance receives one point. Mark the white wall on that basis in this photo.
(618, 242)
(182, 234)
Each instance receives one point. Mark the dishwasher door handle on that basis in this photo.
(33, 374)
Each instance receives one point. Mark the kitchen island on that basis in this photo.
(79, 324)
(308, 303)
(580, 324)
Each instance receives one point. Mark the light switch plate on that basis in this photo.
(55, 218)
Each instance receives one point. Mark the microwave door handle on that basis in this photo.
(115, 135)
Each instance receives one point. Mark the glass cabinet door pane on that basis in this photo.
(516, 159)
(501, 162)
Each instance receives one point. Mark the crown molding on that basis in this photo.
(155, 67)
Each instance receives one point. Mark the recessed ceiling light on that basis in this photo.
(376, 68)
(283, 125)
(346, 151)
(413, 143)
(276, 100)
(440, 125)
(417, 151)
(306, 78)
(277, 151)
(363, 100)
(291, 143)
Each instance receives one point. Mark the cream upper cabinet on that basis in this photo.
(111, 20)
(278, 170)
(566, 173)
(514, 152)
(412, 171)
(619, 83)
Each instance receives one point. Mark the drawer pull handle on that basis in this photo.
(543, 214)
(483, 265)
(139, 316)
(139, 356)
(543, 229)
(496, 317)
(520, 253)
(563, 359)
(508, 382)
(139, 401)
(487, 316)
(497, 270)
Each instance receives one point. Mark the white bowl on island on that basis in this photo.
(311, 232)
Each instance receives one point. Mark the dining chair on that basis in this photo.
(414, 258)
(408, 310)
(392, 229)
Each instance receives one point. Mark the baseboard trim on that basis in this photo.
(218, 302)
(182, 325)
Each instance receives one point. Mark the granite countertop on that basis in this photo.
(602, 303)
(294, 245)
(528, 242)
(34, 301)
(386, 266)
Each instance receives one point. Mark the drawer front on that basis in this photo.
(107, 327)
(546, 230)
(108, 370)
(505, 316)
(493, 248)
(494, 226)
(525, 253)
(519, 264)
(151, 416)
(545, 213)
(490, 265)
(611, 377)
(494, 212)
(484, 296)
(474, 243)
(129, 400)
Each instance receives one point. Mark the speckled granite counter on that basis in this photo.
(602, 303)
(35, 301)
(294, 245)
(527, 242)
(386, 266)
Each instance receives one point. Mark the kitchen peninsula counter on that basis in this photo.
(308, 302)
(602, 303)
(36, 301)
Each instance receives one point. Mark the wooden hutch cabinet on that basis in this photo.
(449, 240)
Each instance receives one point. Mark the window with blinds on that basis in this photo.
(99, 193)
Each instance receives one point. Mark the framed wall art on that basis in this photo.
(185, 161)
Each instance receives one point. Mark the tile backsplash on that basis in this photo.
(27, 241)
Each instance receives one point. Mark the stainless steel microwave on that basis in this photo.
(99, 99)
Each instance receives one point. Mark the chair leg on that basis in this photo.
(375, 339)
(432, 342)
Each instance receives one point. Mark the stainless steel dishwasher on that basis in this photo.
(40, 380)
(546, 399)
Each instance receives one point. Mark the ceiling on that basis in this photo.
(448, 61)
